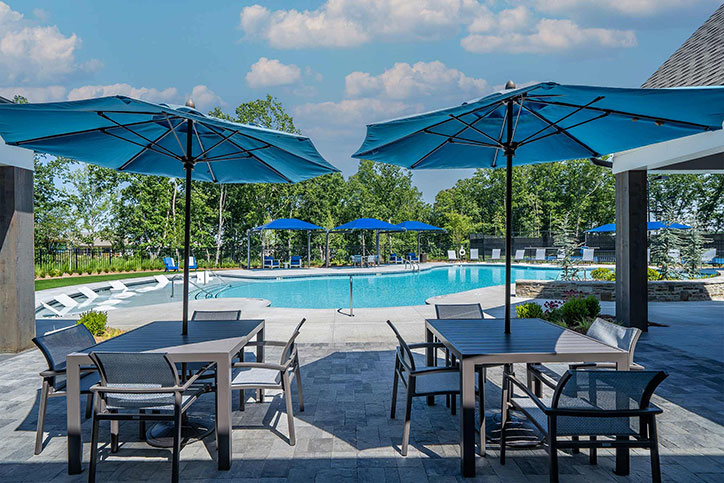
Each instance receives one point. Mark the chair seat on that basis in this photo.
(160, 401)
(256, 376)
(441, 382)
(575, 426)
(553, 371)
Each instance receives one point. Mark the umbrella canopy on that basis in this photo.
(136, 136)
(541, 123)
(651, 225)
(287, 224)
(418, 226)
(368, 224)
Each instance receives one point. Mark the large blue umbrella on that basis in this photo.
(650, 226)
(135, 136)
(283, 224)
(419, 227)
(541, 123)
(368, 224)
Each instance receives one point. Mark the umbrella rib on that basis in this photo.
(562, 131)
(579, 109)
(205, 151)
(123, 126)
(629, 114)
(171, 155)
(74, 133)
(500, 139)
(214, 179)
(472, 126)
(456, 138)
(600, 116)
(224, 157)
(173, 130)
(145, 148)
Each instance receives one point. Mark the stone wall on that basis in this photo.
(660, 291)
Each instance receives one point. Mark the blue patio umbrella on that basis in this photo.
(419, 227)
(283, 224)
(367, 224)
(541, 123)
(650, 226)
(136, 136)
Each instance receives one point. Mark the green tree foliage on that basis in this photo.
(664, 247)
(693, 248)
(568, 244)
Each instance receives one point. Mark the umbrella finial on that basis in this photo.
(190, 103)
(509, 85)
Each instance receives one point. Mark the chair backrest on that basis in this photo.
(495, 253)
(296, 258)
(474, 254)
(606, 390)
(289, 351)
(412, 256)
(403, 349)
(90, 294)
(168, 262)
(625, 338)
(56, 345)
(459, 311)
(587, 254)
(393, 256)
(192, 261)
(520, 254)
(708, 255)
(162, 280)
(452, 255)
(268, 258)
(216, 315)
(540, 253)
(118, 285)
(65, 300)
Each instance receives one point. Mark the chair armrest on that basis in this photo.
(63, 372)
(198, 373)
(527, 392)
(433, 370)
(273, 343)
(262, 365)
(138, 390)
(604, 413)
(425, 345)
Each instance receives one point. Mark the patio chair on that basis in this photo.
(265, 375)
(192, 263)
(216, 315)
(141, 387)
(395, 259)
(161, 282)
(452, 256)
(90, 296)
(412, 257)
(169, 265)
(66, 301)
(587, 255)
(624, 338)
(540, 254)
(356, 260)
(55, 346)
(295, 262)
(270, 262)
(593, 404)
(495, 254)
(519, 255)
(118, 286)
(474, 255)
(419, 381)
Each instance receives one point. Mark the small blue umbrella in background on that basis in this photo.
(282, 224)
(136, 136)
(541, 123)
(419, 227)
(365, 224)
(650, 226)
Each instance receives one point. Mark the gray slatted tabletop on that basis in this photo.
(483, 341)
(206, 341)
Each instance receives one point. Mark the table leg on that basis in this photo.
(429, 359)
(260, 358)
(622, 454)
(75, 441)
(467, 418)
(223, 411)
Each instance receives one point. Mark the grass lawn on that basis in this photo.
(67, 281)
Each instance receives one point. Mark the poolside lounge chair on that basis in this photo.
(169, 265)
(587, 255)
(595, 404)
(540, 254)
(519, 255)
(371, 260)
(295, 262)
(395, 259)
(91, 296)
(624, 338)
(412, 257)
(495, 254)
(118, 286)
(144, 387)
(192, 263)
(356, 260)
(161, 282)
(452, 256)
(262, 375)
(474, 254)
(270, 262)
(55, 346)
(66, 301)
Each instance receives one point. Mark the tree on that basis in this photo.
(565, 240)
(693, 249)
(459, 227)
(664, 247)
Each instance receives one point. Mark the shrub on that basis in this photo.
(574, 310)
(529, 310)
(653, 274)
(55, 273)
(94, 321)
(593, 306)
(604, 274)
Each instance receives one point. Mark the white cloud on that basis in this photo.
(35, 94)
(204, 98)
(404, 81)
(271, 72)
(635, 8)
(31, 53)
(170, 94)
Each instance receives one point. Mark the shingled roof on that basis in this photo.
(699, 61)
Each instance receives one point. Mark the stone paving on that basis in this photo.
(345, 433)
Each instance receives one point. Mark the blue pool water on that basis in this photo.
(379, 290)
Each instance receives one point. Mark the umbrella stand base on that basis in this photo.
(160, 435)
(520, 432)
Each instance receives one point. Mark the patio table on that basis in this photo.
(476, 342)
(207, 341)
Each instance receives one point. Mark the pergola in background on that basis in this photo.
(372, 224)
(291, 224)
(419, 227)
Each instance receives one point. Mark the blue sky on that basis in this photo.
(337, 64)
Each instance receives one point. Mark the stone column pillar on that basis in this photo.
(631, 262)
(17, 287)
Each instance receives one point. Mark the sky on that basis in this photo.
(336, 65)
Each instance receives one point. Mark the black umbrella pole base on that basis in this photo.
(160, 435)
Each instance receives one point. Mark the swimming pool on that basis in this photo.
(377, 289)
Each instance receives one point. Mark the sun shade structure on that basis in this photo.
(541, 123)
(136, 136)
(365, 224)
(419, 227)
(283, 224)
(650, 226)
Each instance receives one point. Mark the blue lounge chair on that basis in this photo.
(412, 256)
(395, 259)
(269, 262)
(192, 263)
(169, 265)
(295, 262)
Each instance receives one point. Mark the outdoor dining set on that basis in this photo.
(582, 391)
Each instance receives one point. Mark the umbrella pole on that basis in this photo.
(508, 211)
(418, 245)
(189, 165)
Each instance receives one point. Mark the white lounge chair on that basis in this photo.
(50, 308)
(587, 255)
(66, 301)
(161, 281)
(675, 253)
(118, 286)
(452, 256)
(474, 254)
(91, 296)
(708, 256)
(540, 254)
(495, 255)
(519, 255)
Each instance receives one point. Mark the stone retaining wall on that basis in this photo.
(660, 291)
